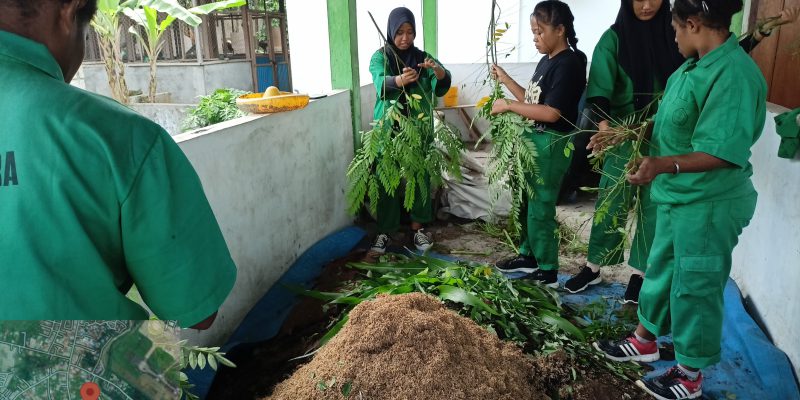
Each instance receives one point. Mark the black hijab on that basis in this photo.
(411, 56)
(647, 50)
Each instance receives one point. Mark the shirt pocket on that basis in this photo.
(699, 276)
(680, 121)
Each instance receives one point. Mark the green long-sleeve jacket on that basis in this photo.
(426, 86)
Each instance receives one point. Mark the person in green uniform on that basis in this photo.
(551, 104)
(630, 66)
(398, 69)
(712, 112)
(101, 198)
(750, 40)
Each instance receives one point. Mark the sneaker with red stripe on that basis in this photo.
(628, 349)
(673, 385)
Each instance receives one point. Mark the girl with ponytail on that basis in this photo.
(551, 104)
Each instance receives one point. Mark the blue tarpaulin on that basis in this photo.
(751, 366)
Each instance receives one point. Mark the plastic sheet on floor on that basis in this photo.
(751, 366)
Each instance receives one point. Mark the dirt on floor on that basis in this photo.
(469, 240)
(263, 366)
(412, 347)
(406, 343)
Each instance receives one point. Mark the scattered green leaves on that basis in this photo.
(217, 107)
(520, 311)
(403, 147)
(513, 157)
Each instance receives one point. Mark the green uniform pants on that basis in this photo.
(539, 236)
(606, 242)
(390, 208)
(686, 274)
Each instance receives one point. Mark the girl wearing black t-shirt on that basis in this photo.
(551, 104)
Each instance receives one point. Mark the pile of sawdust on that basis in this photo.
(412, 347)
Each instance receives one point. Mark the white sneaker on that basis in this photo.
(380, 244)
(422, 241)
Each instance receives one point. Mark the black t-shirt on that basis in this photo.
(558, 82)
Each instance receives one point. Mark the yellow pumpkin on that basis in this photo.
(272, 91)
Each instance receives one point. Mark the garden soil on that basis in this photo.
(412, 347)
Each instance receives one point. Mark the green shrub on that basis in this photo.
(217, 107)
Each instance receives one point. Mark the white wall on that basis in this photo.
(766, 263)
(462, 33)
(307, 25)
(184, 81)
(277, 185)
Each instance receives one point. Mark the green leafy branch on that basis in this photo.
(520, 311)
(628, 131)
(197, 357)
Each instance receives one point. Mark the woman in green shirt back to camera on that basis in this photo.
(712, 113)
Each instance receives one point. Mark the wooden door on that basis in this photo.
(778, 56)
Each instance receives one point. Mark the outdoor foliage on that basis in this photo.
(217, 107)
(512, 157)
(106, 24)
(150, 31)
(520, 311)
(401, 147)
(198, 357)
(632, 131)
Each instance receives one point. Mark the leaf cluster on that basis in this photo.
(217, 107)
(513, 166)
(403, 148)
(520, 311)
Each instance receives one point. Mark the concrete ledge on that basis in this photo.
(276, 183)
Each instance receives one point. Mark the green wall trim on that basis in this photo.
(343, 41)
(430, 26)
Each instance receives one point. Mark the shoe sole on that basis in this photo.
(553, 285)
(594, 282)
(641, 384)
(525, 270)
(626, 301)
(640, 358)
(423, 248)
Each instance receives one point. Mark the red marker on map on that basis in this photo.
(90, 391)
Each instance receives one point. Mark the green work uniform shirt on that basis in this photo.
(426, 86)
(788, 127)
(95, 198)
(608, 80)
(715, 105)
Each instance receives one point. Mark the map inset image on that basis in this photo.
(53, 359)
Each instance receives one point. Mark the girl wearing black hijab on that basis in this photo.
(630, 67)
(400, 68)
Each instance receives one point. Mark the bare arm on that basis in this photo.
(536, 112)
(650, 167)
(206, 323)
(504, 79)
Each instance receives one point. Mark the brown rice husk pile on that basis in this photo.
(412, 347)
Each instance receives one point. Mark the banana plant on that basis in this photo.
(106, 24)
(145, 14)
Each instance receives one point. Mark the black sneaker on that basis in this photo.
(673, 385)
(547, 278)
(519, 263)
(628, 349)
(380, 244)
(422, 240)
(582, 280)
(632, 292)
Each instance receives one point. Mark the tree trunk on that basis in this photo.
(115, 69)
(153, 79)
